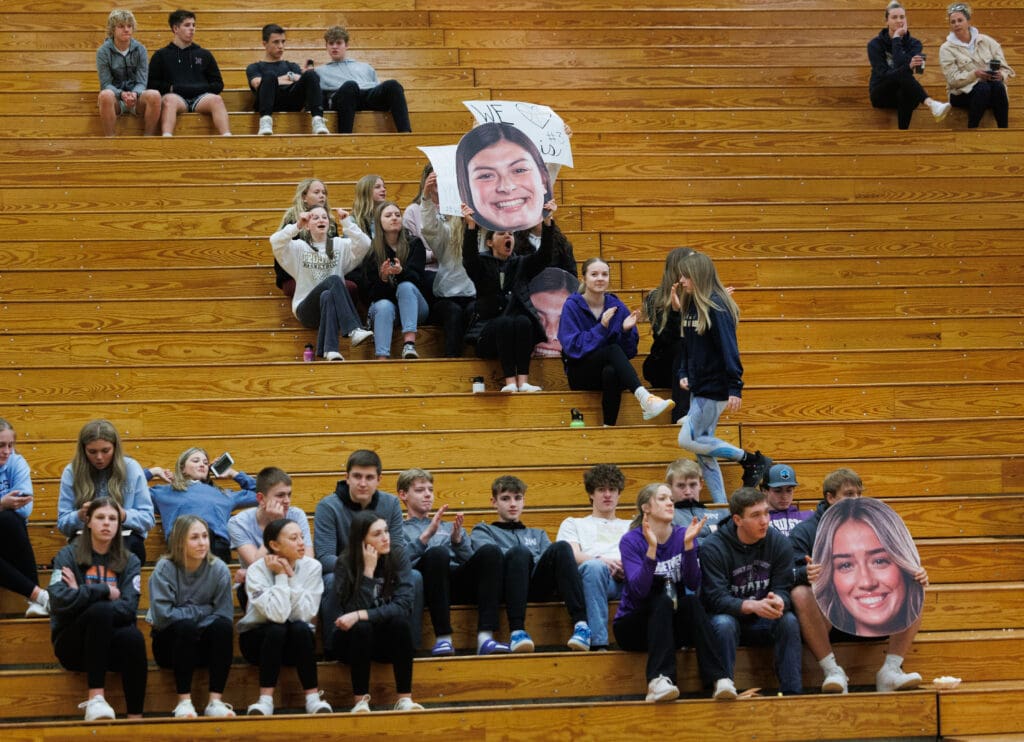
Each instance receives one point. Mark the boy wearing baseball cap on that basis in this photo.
(779, 484)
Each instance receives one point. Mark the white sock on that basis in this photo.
(312, 697)
(893, 662)
(266, 700)
(828, 664)
(641, 394)
(481, 637)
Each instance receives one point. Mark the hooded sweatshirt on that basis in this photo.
(509, 535)
(733, 571)
(960, 59)
(889, 57)
(801, 538)
(333, 517)
(188, 72)
(711, 362)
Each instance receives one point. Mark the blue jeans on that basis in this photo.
(697, 434)
(598, 589)
(412, 309)
(783, 633)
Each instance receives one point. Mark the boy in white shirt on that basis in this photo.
(595, 544)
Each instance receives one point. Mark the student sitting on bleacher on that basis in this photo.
(100, 469)
(18, 571)
(392, 274)
(278, 85)
(94, 596)
(187, 76)
(319, 264)
(683, 477)
(598, 336)
(660, 611)
(350, 86)
(894, 56)
(815, 628)
(284, 589)
(454, 569)
(534, 568)
(192, 491)
(309, 192)
(123, 68)
(778, 486)
(975, 69)
(507, 326)
(192, 615)
(370, 192)
(373, 581)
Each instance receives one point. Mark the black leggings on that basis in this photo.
(94, 645)
(271, 645)
(904, 93)
(509, 338)
(388, 641)
(478, 581)
(17, 560)
(606, 370)
(658, 629)
(555, 573)
(183, 647)
(984, 95)
(453, 314)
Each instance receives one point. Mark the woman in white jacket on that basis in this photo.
(319, 265)
(975, 69)
(284, 590)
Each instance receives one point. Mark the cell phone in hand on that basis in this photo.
(221, 464)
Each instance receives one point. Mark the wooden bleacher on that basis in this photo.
(879, 274)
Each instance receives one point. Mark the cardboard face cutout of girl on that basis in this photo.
(867, 585)
(502, 177)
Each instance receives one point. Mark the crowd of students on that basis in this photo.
(684, 575)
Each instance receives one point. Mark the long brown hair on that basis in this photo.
(117, 557)
(379, 244)
(84, 475)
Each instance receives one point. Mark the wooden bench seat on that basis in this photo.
(989, 656)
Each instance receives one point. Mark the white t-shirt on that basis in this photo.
(598, 537)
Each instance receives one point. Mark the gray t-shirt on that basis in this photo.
(243, 529)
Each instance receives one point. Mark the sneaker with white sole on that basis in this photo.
(888, 679)
(359, 335)
(528, 387)
(362, 705)
(217, 709)
(315, 704)
(266, 126)
(835, 681)
(409, 352)
(580, 639)
(661, 689)
(510, 388)
(520, 642)
(185, 710)
(940, 110)
(319, 127)
(262, 707)
(97, 708)
(655, 405)
(333, 355)
(407, 704)
(725, 690)
(40, 607)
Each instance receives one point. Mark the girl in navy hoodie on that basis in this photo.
(598, 336)
(710, 369)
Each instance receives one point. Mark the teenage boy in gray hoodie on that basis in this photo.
(534, 568)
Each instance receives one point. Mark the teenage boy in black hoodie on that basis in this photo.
(747, 572)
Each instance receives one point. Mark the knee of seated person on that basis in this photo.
(518, 555)
(107, 97)
(594, 568)
(392, 86)
(725, 622)
(310, 75)
(803, 598)
(489, 553)
(562, 550)
(789, 623)
(100, 609)
(349, 87)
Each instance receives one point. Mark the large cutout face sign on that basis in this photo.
(867, 585)
(548, 291)
(502, 177)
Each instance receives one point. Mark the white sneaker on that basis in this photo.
(940, 110)
(835, 681)
(185, 710)
(317, 705)
(407, 704)
(319, 127)
(528, 387)
(333, 355)
(262, 707)
(362, 705)
(40, 607)
(509, 388)
(266, 126)
(655, 405)
(217, 709)
(359, 335)
(725, 690)
(409, 352)
(887, 680)
(661, 689)
(97, 708)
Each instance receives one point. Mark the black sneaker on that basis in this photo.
(754, 468)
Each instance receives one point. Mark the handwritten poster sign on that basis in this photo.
(540, 123)
(443, 160)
